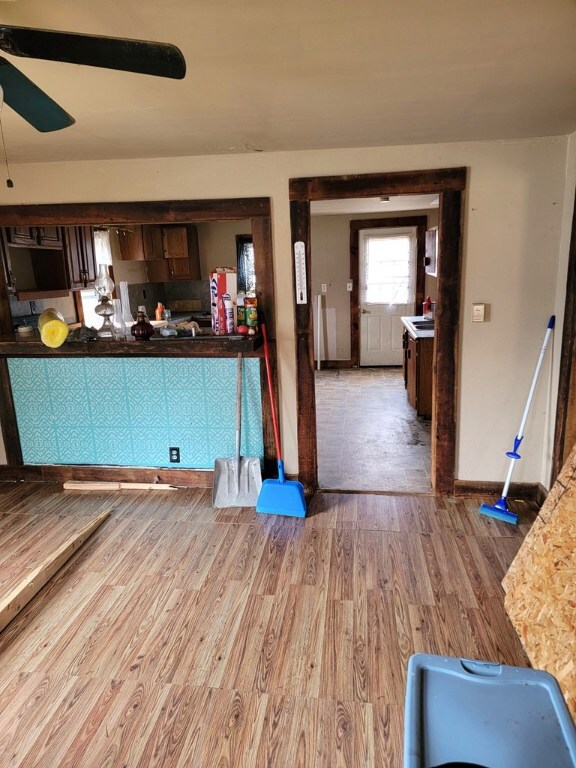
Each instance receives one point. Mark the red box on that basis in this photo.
(223, 281)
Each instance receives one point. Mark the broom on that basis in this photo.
(500, 510)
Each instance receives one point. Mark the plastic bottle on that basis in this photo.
(427, 307)
(159, 311)
(240, 309)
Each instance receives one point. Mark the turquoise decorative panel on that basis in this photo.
(130, 411)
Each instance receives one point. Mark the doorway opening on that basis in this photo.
(369, 437)
(449, 185)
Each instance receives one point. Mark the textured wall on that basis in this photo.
(129, 411)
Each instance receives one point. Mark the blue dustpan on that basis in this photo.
(281, 496)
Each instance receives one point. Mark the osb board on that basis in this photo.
(541, 586)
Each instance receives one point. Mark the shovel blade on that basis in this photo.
(236, 484)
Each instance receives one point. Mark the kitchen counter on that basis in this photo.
(418, 346)
(418, 327)
(201, 345)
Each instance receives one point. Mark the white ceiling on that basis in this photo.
(276, 75)
(389, 204)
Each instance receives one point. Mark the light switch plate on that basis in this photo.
(478, 313)
(349, 286)
(324, 288)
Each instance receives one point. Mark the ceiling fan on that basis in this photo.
(35, 106)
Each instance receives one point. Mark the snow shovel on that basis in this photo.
(237, 481)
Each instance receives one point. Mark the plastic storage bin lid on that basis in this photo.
(476, 713)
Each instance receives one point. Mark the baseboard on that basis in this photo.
(57, 473)
(330, 364)
(526, 491)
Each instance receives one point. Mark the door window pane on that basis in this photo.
(389, 262)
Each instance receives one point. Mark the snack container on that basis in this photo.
(223, 290)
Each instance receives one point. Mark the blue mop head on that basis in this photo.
(499, 511)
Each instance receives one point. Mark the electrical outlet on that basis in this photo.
(32, 307)
(174, 455)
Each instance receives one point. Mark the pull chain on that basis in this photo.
(9, 182)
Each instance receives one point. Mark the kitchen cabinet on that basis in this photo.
(34, 237)
(47, 261)
(6, 265)
(418, 354)
(34, 271)
(170, 251)
(131, 243)
(81, 256)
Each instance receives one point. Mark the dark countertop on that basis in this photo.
(203, 345)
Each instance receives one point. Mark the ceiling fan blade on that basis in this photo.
(30, 102)
(142, 56)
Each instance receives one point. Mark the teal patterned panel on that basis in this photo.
(129, 411)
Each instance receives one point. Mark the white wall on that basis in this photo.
(515, 219)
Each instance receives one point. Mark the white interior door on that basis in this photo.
(387, 292)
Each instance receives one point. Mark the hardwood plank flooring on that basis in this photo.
(182, 635)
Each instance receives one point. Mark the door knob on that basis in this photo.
(365, 311)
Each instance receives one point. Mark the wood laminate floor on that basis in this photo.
(184, 636)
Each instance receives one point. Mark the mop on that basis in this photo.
(500, 510)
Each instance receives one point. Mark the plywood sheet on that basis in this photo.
(541, 585)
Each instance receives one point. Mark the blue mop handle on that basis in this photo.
(513, 454)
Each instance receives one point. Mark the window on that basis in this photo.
(88, 296)
(389, 264)
(246, 270)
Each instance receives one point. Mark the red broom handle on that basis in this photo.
(271, 393)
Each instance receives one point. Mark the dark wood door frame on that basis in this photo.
(565, 427)
(450, 185)
(420, 222)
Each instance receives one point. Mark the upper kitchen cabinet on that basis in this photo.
(170, 251)
(81, 256)
(131, 244)
(34, 270)
(40, 262)
(34, 237)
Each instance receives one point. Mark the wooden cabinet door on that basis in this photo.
(179, 269)
(80, 255)
(157, 270)
(89, 253)
(175, 242)
(131, 245)
(6, 264)
(21, 235)
(412, 372)
(152, 242)
(51, 237)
